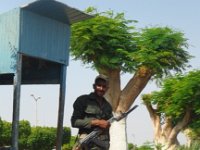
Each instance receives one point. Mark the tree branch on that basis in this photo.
(134, 87)
(180, 125)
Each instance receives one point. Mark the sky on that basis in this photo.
(180, 14)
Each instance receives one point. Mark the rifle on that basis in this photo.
(96, 132)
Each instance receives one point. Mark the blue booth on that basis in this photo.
(34, 49)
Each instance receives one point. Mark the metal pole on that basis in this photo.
(61, 107)
(36, 108)
(16, 102)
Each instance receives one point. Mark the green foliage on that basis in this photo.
(146, 146)
(194, 146)
(32, 138)
(162, 49)
(179, 93)
(109, 41)
(193, 133)
(131, 146)
(1, 131)
(5, 135)
(46, 136)
(1, 126)
(66, 135)
(69, 145)
(6, 129)
(104, 41)
(42, 138)
(24, 133)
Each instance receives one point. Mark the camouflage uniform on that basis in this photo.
(86, 108)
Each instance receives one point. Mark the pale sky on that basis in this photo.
(180, 14)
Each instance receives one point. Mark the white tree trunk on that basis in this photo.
(118, 135)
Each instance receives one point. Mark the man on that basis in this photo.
(92, 111)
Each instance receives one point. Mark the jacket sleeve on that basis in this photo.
(78, 119)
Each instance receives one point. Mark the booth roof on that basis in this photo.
(57, 10)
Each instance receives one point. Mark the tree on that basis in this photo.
(111, 45)
(174, 108)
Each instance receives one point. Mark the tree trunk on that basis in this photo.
(118, 136)
(168, 140)
(166, 134)
(133, 88)
(121, 101)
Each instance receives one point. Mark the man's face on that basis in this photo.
(100, 88)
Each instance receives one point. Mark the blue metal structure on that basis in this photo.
(38, 30)
(34, 49)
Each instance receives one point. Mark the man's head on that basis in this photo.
(100, 85)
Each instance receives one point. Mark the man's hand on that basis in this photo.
(100, 123)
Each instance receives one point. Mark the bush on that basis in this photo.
(66, 135)
(132, 146)
(69, 145)
(5, 135)
(42, 138)
(146, 146)
(24, 133)
(194, 146)
(32, 138)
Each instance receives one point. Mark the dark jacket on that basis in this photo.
(86, 108)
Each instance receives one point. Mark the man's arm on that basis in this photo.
(78, 119)
(98, 131)
(100, 123)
